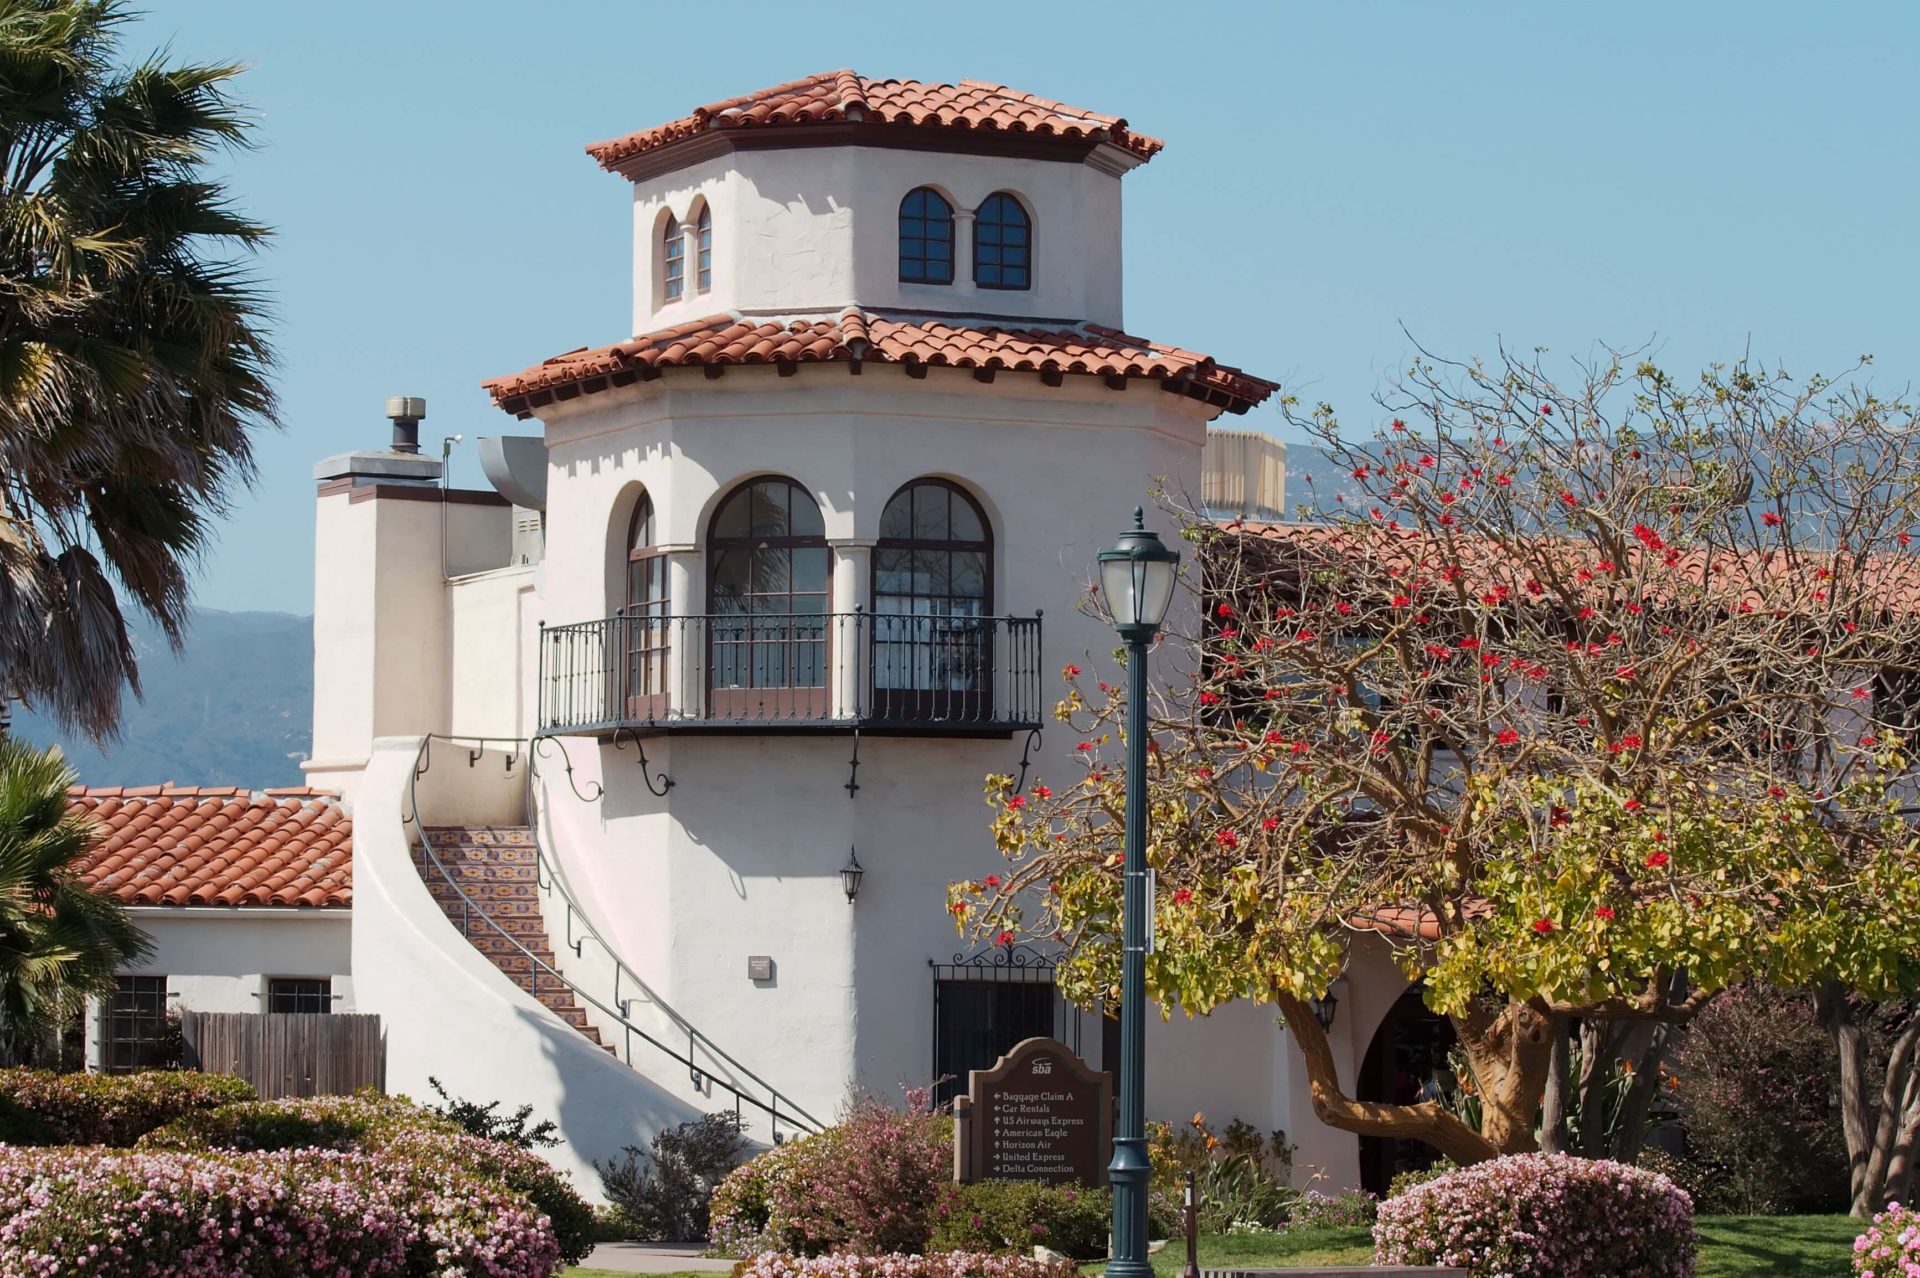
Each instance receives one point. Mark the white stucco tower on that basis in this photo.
(814, 540)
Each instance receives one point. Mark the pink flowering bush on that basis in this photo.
(1542, 1216)
(369, 1123)
(38, 1107)
(86, 1212)
(870, 1183)
(1890, 1248)
(946, 1264)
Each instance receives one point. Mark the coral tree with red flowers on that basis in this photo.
(1583, 701)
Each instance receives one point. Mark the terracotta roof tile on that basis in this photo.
(218, 845)
(854, 335)
(845, 96)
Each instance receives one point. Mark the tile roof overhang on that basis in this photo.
(844, 106)
(214, 846)
(855, 336)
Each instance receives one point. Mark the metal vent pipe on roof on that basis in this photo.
(406, 412)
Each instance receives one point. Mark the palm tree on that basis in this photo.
(133, 357)
(59, 940)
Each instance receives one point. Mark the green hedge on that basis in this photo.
(38, 1107)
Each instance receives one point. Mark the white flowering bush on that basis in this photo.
(1542, 1216)
(39, 1107)
(1890, 1247)
(945, 1264)
(85, 1212)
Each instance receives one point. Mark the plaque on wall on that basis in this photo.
(1038, 1114)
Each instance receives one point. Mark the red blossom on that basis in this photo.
(1209, 698)
(1226, 839)
(1546, 410)
(958, 907)
(1070, 671)
(1569, 499)
(1656, 859)
(1359, 472)
(1399, 425)
(1770, 519)
(1505, 481)
(1305, 636)
(1042, 792)
(1005, 938)
(1906, 539)
(1017, 801)
(1508, 736)
(1633, 805)
(1183, 896)
(1543, 926)
(1603, 912)
(1270, 823)
(992, 881)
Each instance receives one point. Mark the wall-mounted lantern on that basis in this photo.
(851, 874)
(1324, 1008)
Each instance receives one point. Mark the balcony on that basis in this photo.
(894, 674)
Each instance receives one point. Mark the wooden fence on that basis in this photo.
(288, 1053)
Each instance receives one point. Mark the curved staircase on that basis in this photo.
(497, 868)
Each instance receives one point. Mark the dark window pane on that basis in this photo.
(730, 568)
(772, 575)
(926, 238)
(769, 499)
(965, 521)
(897, 519)
(300, 994)
(732, 519)
(806, 520)
(967, 574)
(1002, 243)
(930, 512)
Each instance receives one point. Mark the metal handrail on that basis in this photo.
(796, 1117)
(556, 881)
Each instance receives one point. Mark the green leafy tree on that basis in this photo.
(59, 940)
(132, 355)
(1583, 702)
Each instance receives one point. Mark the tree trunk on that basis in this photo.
(1598, 1042)
(1511, 1052)
(1830, 1003)
(1429, 1121)
(1630, 1132)
(1899, 1097)
(1554, 1136)
(1896, 1183)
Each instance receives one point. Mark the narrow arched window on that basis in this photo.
(926, 238)
(673, 261)
(703, 249)
(768, 590)
(1002, 243)
(644, 618)
(932, 594)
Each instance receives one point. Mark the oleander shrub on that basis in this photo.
(1011, 1216)
(38, 1107)
(375, 1125)
(1890, 1245)
(1348, 1209)
(94, 1213)
(1542, 1216)
(947, 1264)
(869, 1183)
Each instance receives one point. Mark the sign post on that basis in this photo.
(1038, 1114)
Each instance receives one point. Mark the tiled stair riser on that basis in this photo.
(497, 870)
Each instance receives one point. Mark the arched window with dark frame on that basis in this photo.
(926, 237)
(673, 261)
(769, 583)
(703, 250)
(644, 618)
(1002, 243)
(932, 601)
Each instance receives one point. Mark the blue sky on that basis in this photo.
(1706, 176)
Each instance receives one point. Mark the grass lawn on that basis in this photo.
(1731, 1247)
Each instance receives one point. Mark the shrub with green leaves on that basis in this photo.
(665, 1194)
(38, 1107)
(1003, 1216)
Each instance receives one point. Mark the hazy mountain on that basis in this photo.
(234, 708)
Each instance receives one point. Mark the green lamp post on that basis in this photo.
(1137, 576)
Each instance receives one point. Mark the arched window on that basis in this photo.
(768, 586)
(673, 261)
(926, 238)
(1002, 243)
(703, 249)
(932, 593)
(643, 618)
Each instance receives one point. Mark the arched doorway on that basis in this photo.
(1407, 1062)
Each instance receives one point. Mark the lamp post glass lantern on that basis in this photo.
(1137, 576)
(850, 875)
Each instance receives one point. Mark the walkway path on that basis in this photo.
(652, 1258)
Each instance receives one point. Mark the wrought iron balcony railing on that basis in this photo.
(903, 672)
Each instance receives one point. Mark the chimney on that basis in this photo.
(406, 412)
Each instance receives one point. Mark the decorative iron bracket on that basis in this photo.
(646, 769)
(599, 791)
(1026, 759)
(853, 767)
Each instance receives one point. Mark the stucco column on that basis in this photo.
(963, 247)
(852, 636)
(687, 637)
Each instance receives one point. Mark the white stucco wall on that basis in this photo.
(818, 228)
(220, 960)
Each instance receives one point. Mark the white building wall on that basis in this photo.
(220, 960)
(817, 228)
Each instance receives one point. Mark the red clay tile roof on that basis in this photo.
(725, 340)
(206, 845)
(845, 96)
